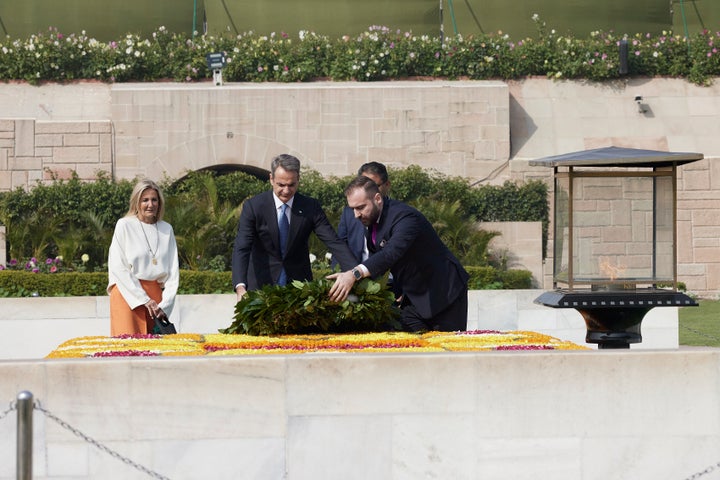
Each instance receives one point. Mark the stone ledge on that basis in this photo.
(62, 318)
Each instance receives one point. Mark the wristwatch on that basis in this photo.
(357, 274)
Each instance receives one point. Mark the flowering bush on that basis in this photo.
(49, 265)
(378, 54)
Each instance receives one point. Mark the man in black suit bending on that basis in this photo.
(400, 239)
(271, 245)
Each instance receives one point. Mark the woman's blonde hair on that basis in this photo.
(137, 192)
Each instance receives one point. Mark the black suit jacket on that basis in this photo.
(407, 245)
(256, 259)
(351, 231)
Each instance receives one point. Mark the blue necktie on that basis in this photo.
(284, 229)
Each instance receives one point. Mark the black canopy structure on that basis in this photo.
(618, 157)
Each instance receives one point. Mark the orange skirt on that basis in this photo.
(127, 321)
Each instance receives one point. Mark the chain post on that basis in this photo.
(24, 435)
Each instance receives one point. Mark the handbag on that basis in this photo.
(163, 326)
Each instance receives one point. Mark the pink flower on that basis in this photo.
(53, 269)
(524, 347)
(126, 353)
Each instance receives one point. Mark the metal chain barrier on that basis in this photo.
(707, 471)
(94, 442)
(75, 431)
(13, 406)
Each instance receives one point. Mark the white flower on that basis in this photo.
(312, 258)
(85, 258)
(328, 256)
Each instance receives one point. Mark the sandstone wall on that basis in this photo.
(485, 131)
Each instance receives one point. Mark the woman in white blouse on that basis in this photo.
(142, 264)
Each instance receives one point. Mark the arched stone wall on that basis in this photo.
(212, 150)
(458, 128)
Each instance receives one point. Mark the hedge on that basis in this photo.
(15, 283)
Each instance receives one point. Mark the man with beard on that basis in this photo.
(401, 239)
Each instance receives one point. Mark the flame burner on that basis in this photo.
(614, 238)
(613, 317)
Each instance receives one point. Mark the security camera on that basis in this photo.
(638, 99)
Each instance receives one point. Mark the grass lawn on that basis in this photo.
(700, 326)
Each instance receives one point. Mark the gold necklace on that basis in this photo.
(157, 243)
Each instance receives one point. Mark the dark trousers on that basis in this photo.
(453, 318)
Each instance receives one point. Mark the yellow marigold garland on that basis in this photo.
(229, 344)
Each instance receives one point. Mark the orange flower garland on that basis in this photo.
(221, 344)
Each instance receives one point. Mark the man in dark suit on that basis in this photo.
(271, 245)
(350, 229)
(400, 239)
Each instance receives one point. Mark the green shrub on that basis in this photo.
(18, 283)
(70, 218)
(490, 278)
(70, 223)
(73, 284)
(202, 282)
(26, 284)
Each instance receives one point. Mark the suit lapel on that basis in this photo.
(296, 218)
(272, 216)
